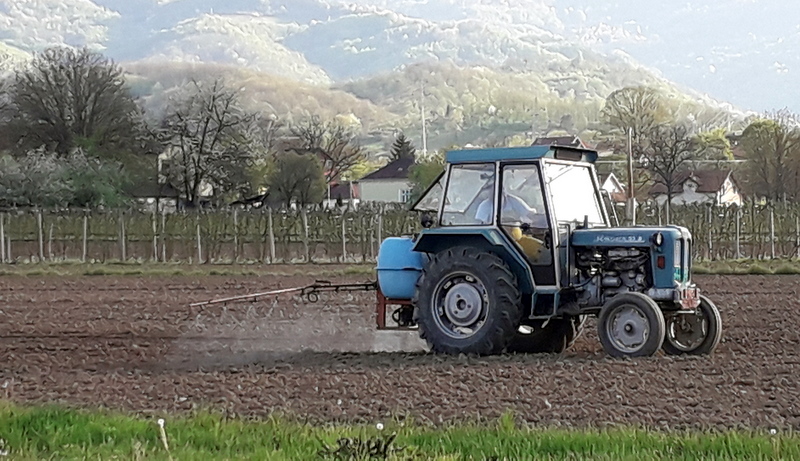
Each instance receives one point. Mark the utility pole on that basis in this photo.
(631, 198)
(424, 129)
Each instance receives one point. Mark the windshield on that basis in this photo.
(573, 194)
(432, 197)
(469, 187)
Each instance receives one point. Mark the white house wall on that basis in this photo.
(729, 194)
(387, 190)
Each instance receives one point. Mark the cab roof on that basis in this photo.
(521, 153)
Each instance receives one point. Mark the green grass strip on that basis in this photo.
(60, 433)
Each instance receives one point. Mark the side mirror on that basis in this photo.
(426, 220)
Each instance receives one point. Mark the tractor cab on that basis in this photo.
(517, 249)
(530, 198)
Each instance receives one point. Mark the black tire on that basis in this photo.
(694, 334)
(631, 325)
(467, 302)
(555, 337)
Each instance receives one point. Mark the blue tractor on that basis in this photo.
(518, 249)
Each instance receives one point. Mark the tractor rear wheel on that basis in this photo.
(631, 325)
(556, 336)
(467, 301)
(694, 334)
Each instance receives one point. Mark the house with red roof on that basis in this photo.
(717, 187)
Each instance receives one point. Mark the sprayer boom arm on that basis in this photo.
(310, 292)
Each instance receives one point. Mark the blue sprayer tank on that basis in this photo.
(399, 267)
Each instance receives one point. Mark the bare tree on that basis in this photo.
(297, 178)
(772, 146)
(67, 98)
(640, 109)
(207, 138)
(668, 152)
(337, 146)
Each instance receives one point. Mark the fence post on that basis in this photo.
(85, 236)
(738, 233)
(199, 245)
(40, 230)
(122, 246)
(236, 235)
(50, 242)
(709, 233)
(797, 235)
(154, 224)
(2, 238)
(772, 232)
(380, 225)
(306, 248)
(344, 238)
(271, 238)
(163, 235)
(371, 242)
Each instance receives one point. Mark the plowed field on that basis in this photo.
(133, 344)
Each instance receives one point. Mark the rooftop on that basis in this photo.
(521, 153)
(398, 169)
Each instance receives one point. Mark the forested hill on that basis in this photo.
(515, 62)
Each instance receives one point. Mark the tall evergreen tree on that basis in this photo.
(402, 148)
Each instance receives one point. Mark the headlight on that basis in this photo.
(658, 239)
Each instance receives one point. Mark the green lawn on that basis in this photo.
(60, 433)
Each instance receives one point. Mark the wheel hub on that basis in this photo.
(629, 328)
(463, 305)
(686, 332)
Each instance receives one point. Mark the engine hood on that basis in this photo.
(626, 236)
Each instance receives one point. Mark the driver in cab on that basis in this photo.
(516, 215)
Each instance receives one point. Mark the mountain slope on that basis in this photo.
(242, 40)
(523, 64)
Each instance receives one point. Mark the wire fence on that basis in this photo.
(755, 231)
(281, 236)
(231, 235)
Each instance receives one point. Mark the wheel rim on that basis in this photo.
(460, 302)
(628, 328)
(687, 331)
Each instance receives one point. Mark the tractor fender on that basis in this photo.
(436, 240)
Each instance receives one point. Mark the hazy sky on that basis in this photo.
(742, 51)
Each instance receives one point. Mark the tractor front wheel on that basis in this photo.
(694, 334)
(631, 325)
(467, 301)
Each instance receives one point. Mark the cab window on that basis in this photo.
(469, 186)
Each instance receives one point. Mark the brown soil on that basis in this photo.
(133, 344)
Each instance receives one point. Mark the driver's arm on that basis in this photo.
(520, 207)
(484, 213)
